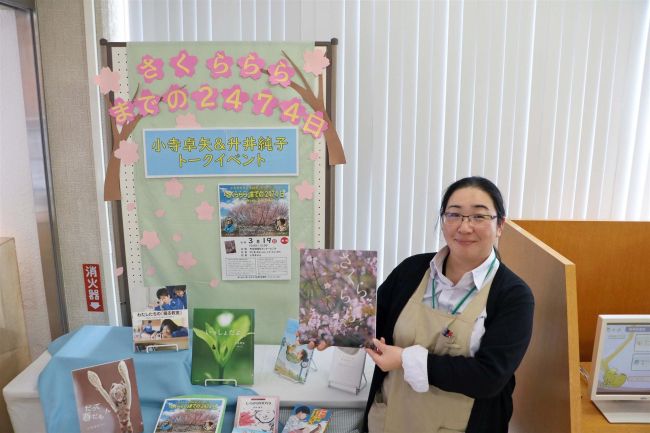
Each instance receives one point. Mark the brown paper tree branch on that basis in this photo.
(317, 103)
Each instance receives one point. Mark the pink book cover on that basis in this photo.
(258, 413)
(107, 398)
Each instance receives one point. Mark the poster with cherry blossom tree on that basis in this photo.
(338, 297)
(254, 232)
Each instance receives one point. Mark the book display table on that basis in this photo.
(42, 394)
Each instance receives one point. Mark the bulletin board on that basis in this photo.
(222, 162)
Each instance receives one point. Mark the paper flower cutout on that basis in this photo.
(199, 188)
(183, 64)
(314, 156)
(281, 73)
(220, 65)
(186, 260)
(315, 124)
(160, 213)
(204, 211)
(234, 98)
(130, 206)
(205, 98)
(150, 239)
(119, 271)
(250, 66)
(151, 68)
(315, 61)
(292, 111)
(122, 111)
(187, 121)
(264, 102)
(176, 98)
(151, 271)
(173, 188)
(300, 246)
(127, 153)
(214, 282)
(177, 237)
(305, 191)
(108, 81)
(147, 103)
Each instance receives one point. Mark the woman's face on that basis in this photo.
(166, 332)
(471, 243)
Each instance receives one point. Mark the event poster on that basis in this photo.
(254, 226)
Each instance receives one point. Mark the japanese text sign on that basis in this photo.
(221, 152)
(93, 286)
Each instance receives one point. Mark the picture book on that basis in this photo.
(160, 330)
(191, 415)
(293, 358)
(223, 346)
(107, 398)
(307, 419)
(257, 413)
(338, 291)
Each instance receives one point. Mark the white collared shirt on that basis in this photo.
(448, 295)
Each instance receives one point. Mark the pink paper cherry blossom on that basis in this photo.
(127, 152)
(147, 103)
(108, 81)
(187, 121)
(214, 283)
(151, 69)
(151, 271)
(130, 206)
(177, 237)
(315, 61)
(251, 65)
(160, 213)
(199, 188)
(264, 103)
(119, 271)
(314, 156)
(184, 64)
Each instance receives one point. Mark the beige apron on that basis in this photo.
(398, 408)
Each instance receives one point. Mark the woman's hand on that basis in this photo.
(386, 357)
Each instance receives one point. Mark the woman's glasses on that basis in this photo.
(453, 218)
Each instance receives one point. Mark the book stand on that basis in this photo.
(220, 382)
(346, 371)
(155, 347)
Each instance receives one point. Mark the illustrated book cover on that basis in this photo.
(257, 413)
(338, 292)
(223, 346)
(191, 415)
(293, 359)
(307, 419)
(107, 398)
(160, 330)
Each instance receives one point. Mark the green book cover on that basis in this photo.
(223, 346)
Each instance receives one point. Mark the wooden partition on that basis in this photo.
(612, 260)
(547, 395)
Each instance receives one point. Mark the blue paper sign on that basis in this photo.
(221, 152)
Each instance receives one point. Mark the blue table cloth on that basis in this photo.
(159, 375)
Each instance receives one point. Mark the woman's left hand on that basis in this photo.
(385, 356)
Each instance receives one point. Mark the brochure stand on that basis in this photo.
(346, 371)
(155, 347)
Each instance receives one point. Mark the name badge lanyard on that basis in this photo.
(447, 332)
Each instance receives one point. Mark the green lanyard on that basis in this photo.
(462, 301)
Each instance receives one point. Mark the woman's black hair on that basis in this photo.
(171, 324)
(484, 185)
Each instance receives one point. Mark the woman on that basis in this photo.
(452, 327)
(169, 329)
